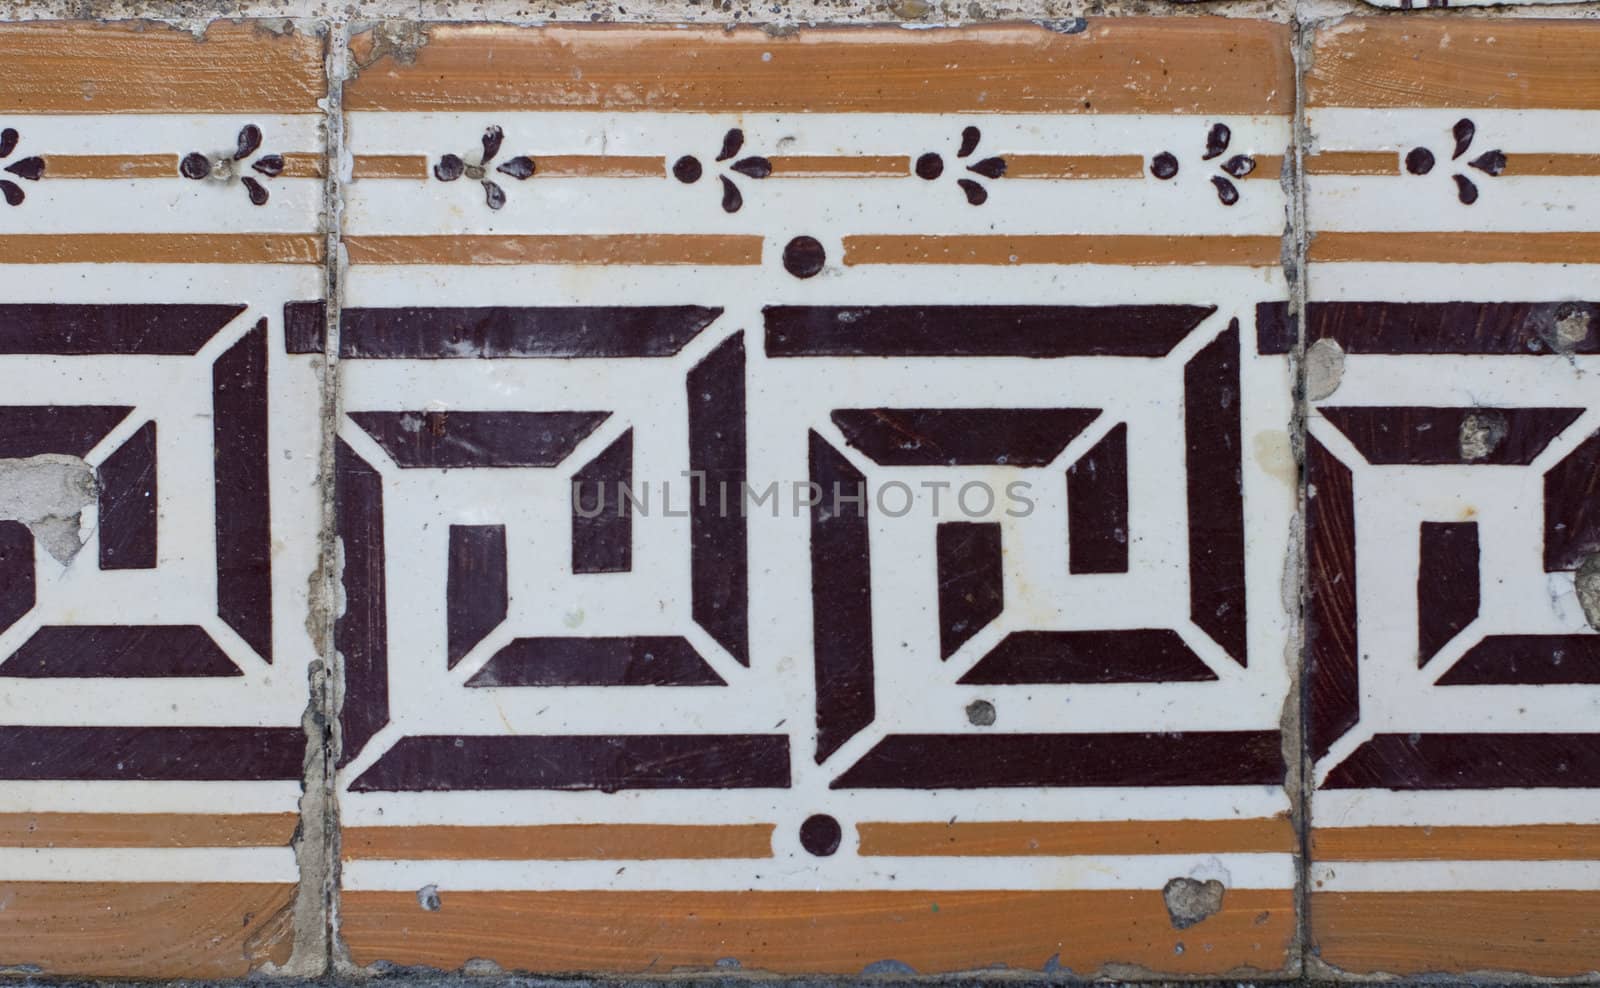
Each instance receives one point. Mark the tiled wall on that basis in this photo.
(1112, 501)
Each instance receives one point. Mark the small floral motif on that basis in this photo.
(1420, 161)
(688, 169)
(476, 167)
(1165, 165)
(931, 165)
(224, 166)
(28, 168)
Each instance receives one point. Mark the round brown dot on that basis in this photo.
(803, 257)
(1164, 165)
(820, 835)
(1419, 161)
(930, 166)
(686, 169)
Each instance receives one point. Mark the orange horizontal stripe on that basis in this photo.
(144, 67)
(631, 248)
(599, 166)
(1533, 842)
(1028, 837)
(1458, 248)
(1122, 249)
(389, 166)
(302, 164)
(155, 930)
(841, 165)
(1116, 65)
(559, 842)
(162, 248)
(1353, 163)
(1557, 165)
(110, 166)
(1267, 166)
(1546, 934)
(1087, 166)
(817, 932)
(1456, 64)
(147, 829)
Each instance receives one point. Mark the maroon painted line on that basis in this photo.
(305, 327)
(1333, 680)
(362, 631)
(985, 761)
(841, 601)
(127, 527)
(475, 591)
(918, 437)
(1503, 328)
(1572, 507)
(979, 330)
(719, 567)
(243, 495)
(608, 763)
(71, 430)
(1145, 655)
(1097, 507)
(1540, 660)
(121, 651)
(111, 329)
(439, 333)
(971, 581)
(152, 754)
(1471, 761)
(441, 440)
(1215, 481)
(17, 586)
(1432, 436)
(1447, 584)
(623, 661)
(602, 511)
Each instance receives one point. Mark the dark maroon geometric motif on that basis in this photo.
(608, 763)
(1528, 660)
(118, 651)
(910, 437)
(1097, 507)
(1429, 436)
(982, 761)
(1215, 478)
(1148, 655)
(1447, 584)
(476, 595)
(128, 503)
(979, 330)
(243, 495)
(1333, 675)
(441, 440)
(110, 329)
(152, 754)
(71, 430)
(1572, 508)
(1471, 761)
(1502, 328)
(16, 572)
(841, 602)
(361, 633)
(971, 581)
(660, 660)
(718, 560)
(488, 332)
(602, 516)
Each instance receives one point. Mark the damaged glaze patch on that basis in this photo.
(48, 494)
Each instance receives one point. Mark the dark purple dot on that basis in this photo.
(449, 168)
(1419, 161)
(686, 169)
(803, 257)
(820, 835)
(1164, 165)
(930, 166)
(195, 165)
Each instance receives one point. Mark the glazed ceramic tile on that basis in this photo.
(1453, 461)
(158, 470)
(941, 626)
